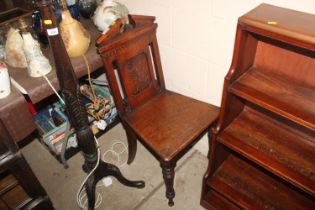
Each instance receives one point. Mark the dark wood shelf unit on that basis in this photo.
(19, 187)
(250, 188)
(285, 151)
(5, 179)
(262, 149)
(278, 94)
(212, 200)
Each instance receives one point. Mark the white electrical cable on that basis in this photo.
(125, 148)
(87, 177)
(107, 160)
(117, 143)
(80, 198)
(117, 154)
(98, 202)
(52, 87)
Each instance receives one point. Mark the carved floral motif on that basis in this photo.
(137, 69)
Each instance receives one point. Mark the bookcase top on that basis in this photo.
(287, 22)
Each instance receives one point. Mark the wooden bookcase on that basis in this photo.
(19, 187)
(262, 151)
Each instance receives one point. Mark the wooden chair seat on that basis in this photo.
(167, 123)
(170, 122)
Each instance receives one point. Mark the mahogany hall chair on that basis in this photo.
(167, 123)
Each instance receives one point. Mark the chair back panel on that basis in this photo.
(133, 67)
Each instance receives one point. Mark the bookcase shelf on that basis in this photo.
(251, 188)
(262, 150)
(278, 94)
(285, 151)
(213, 199)
(19, 187)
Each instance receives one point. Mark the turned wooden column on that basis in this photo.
(168, 171)
(69, 87)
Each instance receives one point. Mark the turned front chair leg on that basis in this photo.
(168, 170)
(132, 145)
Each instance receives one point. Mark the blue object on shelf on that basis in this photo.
(51, 124)
(74, 11)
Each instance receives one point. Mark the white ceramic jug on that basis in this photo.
(38, 64)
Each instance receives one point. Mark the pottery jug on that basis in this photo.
(74, 35)
(38, 64)
(14, 55)
(108, 12)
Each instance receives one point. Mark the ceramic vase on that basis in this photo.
(14, 55)
(75, 37)
(38, 64)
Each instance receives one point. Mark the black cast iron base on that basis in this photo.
(104, 170)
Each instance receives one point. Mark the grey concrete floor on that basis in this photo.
(62, 184)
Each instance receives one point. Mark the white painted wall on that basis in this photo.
(196, 40)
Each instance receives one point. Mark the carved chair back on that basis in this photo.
(133, 67)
